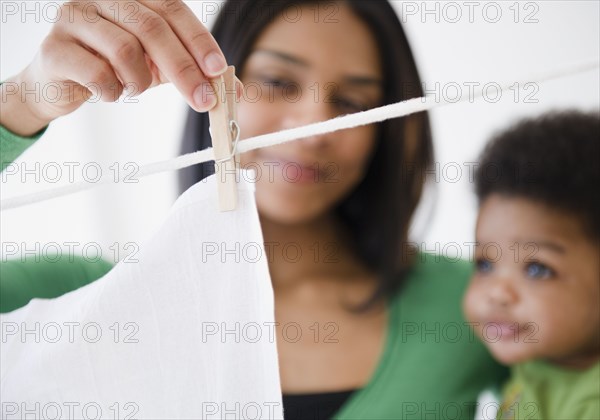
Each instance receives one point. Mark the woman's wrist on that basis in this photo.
(16, 112)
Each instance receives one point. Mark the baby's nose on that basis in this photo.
(502, 293)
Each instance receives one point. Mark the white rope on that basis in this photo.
(386, 112)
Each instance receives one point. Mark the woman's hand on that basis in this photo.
(101, 48)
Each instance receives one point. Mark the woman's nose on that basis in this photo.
(309, 110)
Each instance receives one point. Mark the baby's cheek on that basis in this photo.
(471, 301)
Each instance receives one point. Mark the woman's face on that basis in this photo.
(311, 64)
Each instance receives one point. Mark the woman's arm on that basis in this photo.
(12, 145)
(43, 277)
(16, 116)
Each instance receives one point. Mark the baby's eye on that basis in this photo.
(483, 266)
(538, 270)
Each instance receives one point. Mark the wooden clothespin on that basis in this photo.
(225, 135)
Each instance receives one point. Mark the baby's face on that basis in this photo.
(535, 293)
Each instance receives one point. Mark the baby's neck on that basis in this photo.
(580, 362)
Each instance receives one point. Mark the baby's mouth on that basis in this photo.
(503, 330)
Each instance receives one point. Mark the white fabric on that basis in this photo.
(202, 277)
(488, 404)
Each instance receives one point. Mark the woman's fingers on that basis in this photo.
(66, 75)
(194, 36)
(94, 74)
(163, 46)
(120, 48)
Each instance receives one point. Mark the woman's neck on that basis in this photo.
(309, 251)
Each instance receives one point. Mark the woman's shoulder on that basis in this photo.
(438, 274)
(433, 290)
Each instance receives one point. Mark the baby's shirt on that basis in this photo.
(538, 390)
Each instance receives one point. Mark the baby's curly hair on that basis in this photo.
(553, 159)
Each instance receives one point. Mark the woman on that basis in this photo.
(382, 335)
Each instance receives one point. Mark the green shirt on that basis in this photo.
(432, 364)
(539, 390)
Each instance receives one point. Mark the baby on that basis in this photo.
(534, 298)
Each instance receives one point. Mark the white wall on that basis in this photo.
(475, 49)
(472, 49)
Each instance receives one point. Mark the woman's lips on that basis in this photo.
(293, 171)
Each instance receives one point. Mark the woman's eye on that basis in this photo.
(276, 83)
(483, 266)
(348, 106)
(538, 270)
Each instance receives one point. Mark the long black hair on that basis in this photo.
(379, 210)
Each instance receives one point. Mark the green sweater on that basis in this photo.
(432, 365)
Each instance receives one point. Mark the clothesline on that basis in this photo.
(383, 113)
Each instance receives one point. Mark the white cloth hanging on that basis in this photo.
(187, 332)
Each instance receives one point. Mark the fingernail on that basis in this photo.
(215, 64)
(204, 97)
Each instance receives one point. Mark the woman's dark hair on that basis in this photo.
(379, 210)
(552, 160)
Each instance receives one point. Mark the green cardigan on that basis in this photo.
(432, 364)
